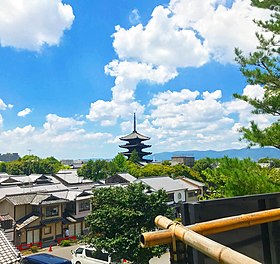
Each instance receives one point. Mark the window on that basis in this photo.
(84, 205)
(71, 207)
(170, 197)
(101, 255)
(89, 253)
(195, 193)
(47, 230)
(52, 211)
(79, 251)
(96, 254)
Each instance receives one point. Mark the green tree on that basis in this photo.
(134, 156)
(203, 164)
(119, 215)
(166, 162)
(49, 165)
(95, 170)
(14, 168)
(3, 166)
(120, 162)
(234, 177)
(262, 67)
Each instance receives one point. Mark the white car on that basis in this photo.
(85, 254)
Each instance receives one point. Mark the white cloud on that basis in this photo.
(61, 136)
(134, 17)
(33, 23)
(254, 91)
(182, 120)
(185, 33)
(190, 33)
(3, 106)
(55, 124)
(128, 75)
(160, 42)
(1, 121)
(24, 112)
(244, 110)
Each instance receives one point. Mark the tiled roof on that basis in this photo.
(193, 182)
(39, 198)
(5, 217)
(127, 177)
(164, 182)
(134, 135)
(71, 177)
(8, 253)
(28, 221)
(21, 199)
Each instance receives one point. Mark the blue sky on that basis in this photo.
(73, 72)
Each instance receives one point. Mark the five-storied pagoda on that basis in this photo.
(135, 143)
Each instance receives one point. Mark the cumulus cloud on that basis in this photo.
(31, 24)
(184, 33)
(128, 75)
(55, 123)
(192, 120)
(190, 33)
(60, 135)
(24, 112)
(160, 42)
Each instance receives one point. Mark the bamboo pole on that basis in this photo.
(150, 239)
(214, 250)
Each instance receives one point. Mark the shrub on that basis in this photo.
(34, 249)
(65, 243)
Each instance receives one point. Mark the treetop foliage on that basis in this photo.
(101, 169)
(263, 67)
(119, 215)
(29, 164)
(234, 177)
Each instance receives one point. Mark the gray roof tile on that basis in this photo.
(8, 253)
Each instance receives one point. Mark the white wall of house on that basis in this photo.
(179, 196)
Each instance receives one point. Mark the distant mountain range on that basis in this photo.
(253, 153)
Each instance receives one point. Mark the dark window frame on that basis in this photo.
(50, 210)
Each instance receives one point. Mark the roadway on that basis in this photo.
(65, 252)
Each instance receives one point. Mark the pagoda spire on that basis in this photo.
(134, 123)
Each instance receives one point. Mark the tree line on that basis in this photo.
(30, 164)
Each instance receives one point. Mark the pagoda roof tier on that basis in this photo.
(142, 153)
(134, 146)
(134, 135)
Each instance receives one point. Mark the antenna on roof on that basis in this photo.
(134, 123)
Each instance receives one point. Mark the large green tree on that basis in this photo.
(97, 170)
(263, 67)
(33, 164)
(119, 215)
(234, 177)
(120, 163)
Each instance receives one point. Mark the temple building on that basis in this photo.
(134, 142)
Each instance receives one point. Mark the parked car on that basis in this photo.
(86, 254)
(44, 258)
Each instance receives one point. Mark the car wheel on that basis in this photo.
(78, 262)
